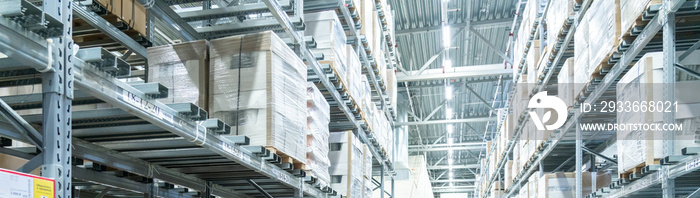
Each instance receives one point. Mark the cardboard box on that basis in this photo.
(258, 86)
(581, 56)
(604, 30)
(563, 185)
(565, 83)
(644, 83)
(317, 134)
(346, 172)
(183, 68)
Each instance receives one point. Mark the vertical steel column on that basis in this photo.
(57, 88)
(392, 188)
(579, 161)
(669, 47)
(381, 181)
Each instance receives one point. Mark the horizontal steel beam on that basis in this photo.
(494, 23)
(455, 190)
(442, 167)
(479, 143)
(457, 72)
(452, 180)
(447, 148)
(465, 120)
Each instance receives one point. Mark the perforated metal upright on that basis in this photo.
(57, 96)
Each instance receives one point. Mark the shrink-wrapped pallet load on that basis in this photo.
(183, 68)
(557, 17)
(603, 30)
(562, 185)
(317, 133)
(258, 86)
(346, 164)
(366, 162)
(532, 60)
(631, 10)
(581, 56)
(354, 71)
(565, 83)
(330, 39)
(644, 85)
(367, 10)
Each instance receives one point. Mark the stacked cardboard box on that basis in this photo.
(354, 70)
(557, 15)
(604, 31)
(346, 164)
(532, 59)
(258, 86)
(182, 68)
(330, 39)
(581, 56)
(317, 133)
(644, 83)
(630, 10)
(367, 172)
(562, 185)
(392, 89)
(366, 18)
(565, 83)
(129, 11)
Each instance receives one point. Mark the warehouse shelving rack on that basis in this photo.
(161, 150)
(676, 175)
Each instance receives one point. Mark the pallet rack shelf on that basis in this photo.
(658, 180)
(179, 133)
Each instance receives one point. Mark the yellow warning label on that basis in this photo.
(43, 188)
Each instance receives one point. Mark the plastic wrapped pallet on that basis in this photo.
(182, 68)
(644, 83)
(533, 57)
(562, 185)
(354, 70)
(330, 39)
(346, 167)
(603, 30)
(392, 89)
(508, 174)
(368, 188)
(581, 56)
(565, 82)
(366, 162)
(258, 86)
(317, 133)
(557, 15)
(631, 10)
(366, 19)
(417, 185)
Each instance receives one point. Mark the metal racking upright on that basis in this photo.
(655, 180)
(162, 149)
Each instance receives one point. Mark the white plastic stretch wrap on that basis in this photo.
(565, 81)
(346, 163)
(354, 70)
(630, 10)
(557, 15)
(183, 69)
(317, 161)
(366, 162)
(644, 83)
(330, 38)
(603, 30)
(581, 56)
(257, 85)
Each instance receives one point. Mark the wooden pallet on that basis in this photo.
(637, 169)
(287, 159)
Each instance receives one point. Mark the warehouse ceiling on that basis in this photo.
(419, 36)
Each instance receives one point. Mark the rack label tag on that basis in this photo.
(692, 164)
(146, 105)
